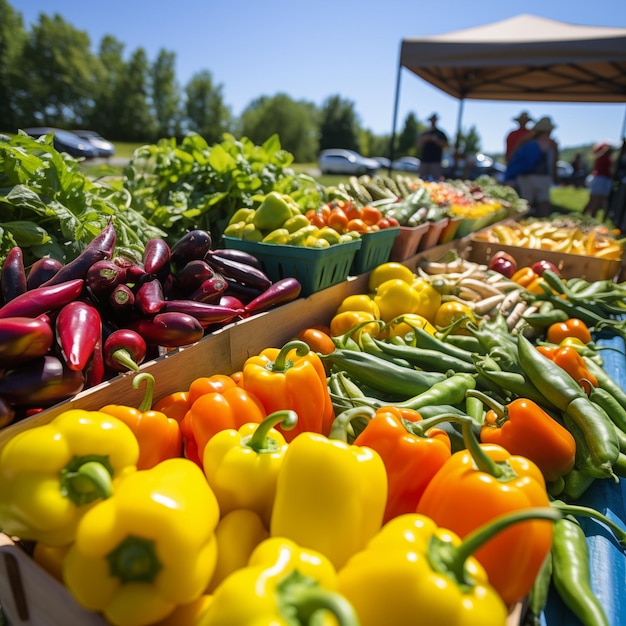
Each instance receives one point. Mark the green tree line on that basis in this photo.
(50, 76)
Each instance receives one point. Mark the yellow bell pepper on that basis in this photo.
(147, 549)
(238, 534)
(291, 378)
(359, 302)
(283, 584)
(396, 297)
(399, 327)
(441, 582)
(187, 614)
(346, 321)
(51, 475)
(330, 496)
(241, 466)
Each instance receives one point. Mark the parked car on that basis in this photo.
(104, 147)
(564, 172)
(64, 141)
(348, 162)
(384, 162)
(406, 164)
(472, 166)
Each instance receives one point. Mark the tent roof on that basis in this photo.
(523, 58)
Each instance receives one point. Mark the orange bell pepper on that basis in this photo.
(291, 378)
(217, 403)
(158, 435)
(480, 483)
(412, 454)
(570, 360)
(174, 405)
(522, 427)
(573, 327)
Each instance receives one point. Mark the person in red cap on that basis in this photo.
(601, 180)
(515, 137)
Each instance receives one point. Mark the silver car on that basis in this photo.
(348, 162)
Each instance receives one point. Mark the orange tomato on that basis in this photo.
(317, 340)
(352, 211)
(338, 220)
(358, 225)
(371, 215)
(317, 220)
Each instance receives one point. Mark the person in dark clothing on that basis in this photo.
(580, 171)
(432, 143)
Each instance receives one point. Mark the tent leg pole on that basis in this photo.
(457, 141)
(392, 141)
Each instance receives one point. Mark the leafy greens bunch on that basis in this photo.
(192, 185)
(48, 207)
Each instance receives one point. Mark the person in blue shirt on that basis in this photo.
(532, 168)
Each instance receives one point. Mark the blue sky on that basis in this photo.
(313, 50)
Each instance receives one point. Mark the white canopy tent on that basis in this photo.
(524, 58)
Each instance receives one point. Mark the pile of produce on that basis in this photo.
(68, 327)
(566, 235)
(412, 201)
(426, 395)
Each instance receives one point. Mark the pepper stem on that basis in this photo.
(282, 363)
(134, 560)
(585, 511)
(260, 440)
(125, 358)
(86, 479)
(308, 598)
(342, 340)
(482, 460)
(446, 557)
(343, 421)
(146, 402)
(421, 427)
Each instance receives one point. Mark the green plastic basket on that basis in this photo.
(315, 268)
(375, 250)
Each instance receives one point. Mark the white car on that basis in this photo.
(406, 164)
(348, 162)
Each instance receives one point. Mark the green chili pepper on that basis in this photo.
(382, 375)
(616, 412)
(538, 594)
(547, 318)
(552, 381)
(577, 482)
(571, 573)
(605, 381)
(424, 339)
(595, 437)
(464, 342)
(424, 358)
(370, 345)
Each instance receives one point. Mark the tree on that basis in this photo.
(206, 113)
(294, 122)
(59, 69)
(12, 41)
(110, 73)
(136, 122)
(469, 142)
(339, 125)
(166, 95)
(407, 139)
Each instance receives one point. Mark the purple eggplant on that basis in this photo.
(156, 258)
(236, 255)
(41, 271)
(13, 276)
(24, 338)
(78, 330)
(204, 312)
(149, 298)
(43, 299)
(210, 290)
(192, 275)
(245, 293)
(192, 245)
(170, 330)
(103, 276)
(101, 247)
(40, 382)
(282, 291)
(245, 274)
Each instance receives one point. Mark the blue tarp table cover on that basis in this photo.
(607, 558)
